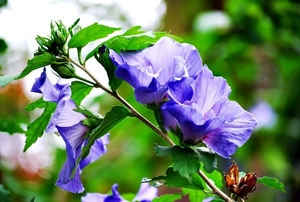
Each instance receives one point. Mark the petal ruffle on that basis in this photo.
(233, 133)
(97, 150)
(209, 89)
(64, 115)
(146, 193)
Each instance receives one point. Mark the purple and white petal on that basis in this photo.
(209, 89)
(97, 150)
(146, 193)
(233, 133)
(64, 180)
(93, 197)
(64, 115)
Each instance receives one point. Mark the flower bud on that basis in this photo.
(65, 71)
(91, 122)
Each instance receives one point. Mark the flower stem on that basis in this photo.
(215, 189)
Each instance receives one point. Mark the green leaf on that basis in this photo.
(40, 103)
(132, 39)
(174, 179)
(10, 125)
(168, 198)
(111, 119)
(194, 195)
(186, 161)
(33, 64)
(104, 59)
(4, 194)
(89, 34)
(215, 176)
(6, 79)
(37, 127)
(208, 158)
(37, 62)
(162, 150)
(80, 91)
(272, 183)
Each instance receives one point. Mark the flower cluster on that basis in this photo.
(146, 193)
(69, 124)
(172, 76)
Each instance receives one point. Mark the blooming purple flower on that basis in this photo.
(146, 193)
(204, 113)
(151, 70)
(265, 114)
(69, 125)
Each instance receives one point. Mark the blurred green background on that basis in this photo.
(254, 44)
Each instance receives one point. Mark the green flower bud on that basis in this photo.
(65, 70)
(91, 122)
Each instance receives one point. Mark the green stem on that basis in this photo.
(214, 188)
(83, 79)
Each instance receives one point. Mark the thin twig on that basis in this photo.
(214, 188)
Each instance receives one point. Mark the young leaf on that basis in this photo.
(272, 183)
(208, 158)
(37, 127)
(162, 150)
(174, 179)
(33, 64)
(168, 198)
(6, 79)
(194, 195)
(132, 39)
(111, 119)
(40, 103)
(103, 58)
(89, 34)
(37, 62)
(80, 91)
(186, 161)
(215, 176)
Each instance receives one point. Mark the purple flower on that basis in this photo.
(146, 193)
(151, 70)
(69, 125)
(265, 115)
(204, 113)
(53, 93)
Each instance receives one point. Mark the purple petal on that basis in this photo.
(115, 197)
(147, 95)
(133, 75)
(146, 193)
(74, 136)
(208, 90)
(97, 150)
(74, 185)
(53, 93)
(39, 82)
(234, 132)
(165, 61)
(181, 91)
(64, 115)
(93, 197)
(65, 181)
